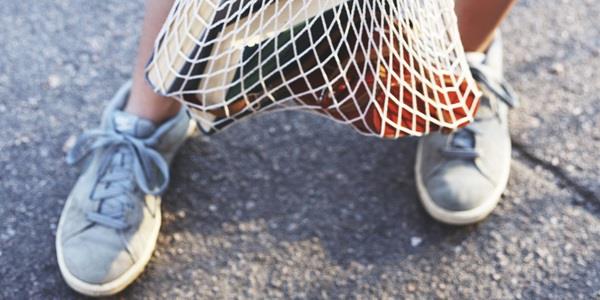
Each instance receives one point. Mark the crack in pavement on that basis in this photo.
(584, 194)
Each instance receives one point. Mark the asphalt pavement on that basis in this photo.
(291, 205)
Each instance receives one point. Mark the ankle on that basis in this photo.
(158, 110)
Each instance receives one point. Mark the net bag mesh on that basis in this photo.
(389, 68)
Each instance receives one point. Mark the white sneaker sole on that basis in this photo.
(459, 217)
(123, 281)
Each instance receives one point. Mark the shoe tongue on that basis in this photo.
(133, 125)
(485, 106)
(485, 110)
(475, 58)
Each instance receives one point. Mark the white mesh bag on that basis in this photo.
(389, 68)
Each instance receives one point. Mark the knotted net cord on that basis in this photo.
(389, 68)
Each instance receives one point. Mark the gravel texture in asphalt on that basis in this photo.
(291, 205)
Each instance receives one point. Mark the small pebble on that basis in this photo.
(250, 205)
(177, 237)
(69, 143)
(292, 227)
(54, 81)
(557, 69)
(415, 241)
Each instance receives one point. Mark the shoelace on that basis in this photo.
(126, 162)
(462, 142)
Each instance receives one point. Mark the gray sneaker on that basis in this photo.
(460, 177)
(110, 222)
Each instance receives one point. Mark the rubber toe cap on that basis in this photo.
(459, 188)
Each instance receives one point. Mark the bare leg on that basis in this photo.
(143, 101)
(478, 20)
